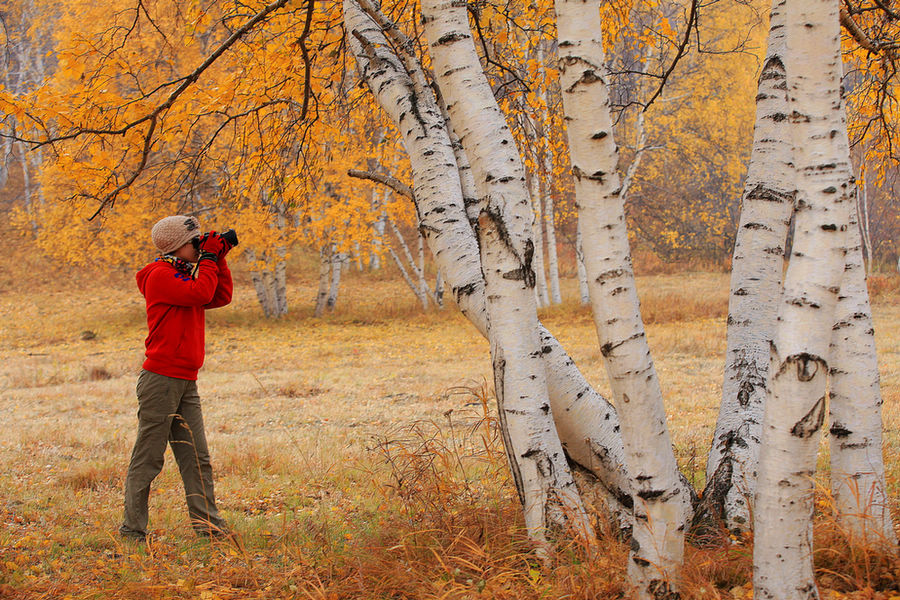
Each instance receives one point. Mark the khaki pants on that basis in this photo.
(169, 412)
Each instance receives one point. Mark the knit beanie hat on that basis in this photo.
(172, 233)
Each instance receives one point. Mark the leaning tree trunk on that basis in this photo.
(418, 285)
(507, 249)
(587, 424)
(445, 201)
(795, 405)
(536, 457)
(661, 499)
(855, 436)
(756, 273)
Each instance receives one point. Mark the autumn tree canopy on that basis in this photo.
(129, 111)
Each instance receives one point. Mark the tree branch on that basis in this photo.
(185, 82)
(384, 179)
(857, 33)
(682, 50)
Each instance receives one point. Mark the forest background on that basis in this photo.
(311, 525)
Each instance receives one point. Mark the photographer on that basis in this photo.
(189, 277)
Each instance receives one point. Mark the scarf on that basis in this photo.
(181, 265)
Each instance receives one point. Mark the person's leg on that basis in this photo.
(188, 440)
(157, 401)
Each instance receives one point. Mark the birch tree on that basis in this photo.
(535, 453)
(757, 266)
(586, 423)
(800, 355)
(855, 436)
(507, 248)
(662, 502)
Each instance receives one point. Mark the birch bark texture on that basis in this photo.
(795, 404)
(757, 266)
(505, 222)
(661, 501)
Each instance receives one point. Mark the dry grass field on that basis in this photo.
(355, 455)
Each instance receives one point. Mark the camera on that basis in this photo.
(229, 235)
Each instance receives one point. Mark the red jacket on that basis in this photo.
(175, 314)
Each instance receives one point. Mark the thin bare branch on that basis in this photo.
(682, 50)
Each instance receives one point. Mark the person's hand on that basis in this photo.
(213, 243)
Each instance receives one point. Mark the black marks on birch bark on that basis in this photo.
(751, 376)
(839, 431)
(757, 226)
(580, 174)
(525, 273)
(588, 76)
(706, 524)
(450, 38)
(744, 391)
(660, 589)
(464, 291)
(803, 301)
(807, 365)
(650, 494)
(767, 194)
(811, 422)
(607, 348)
(602, 277)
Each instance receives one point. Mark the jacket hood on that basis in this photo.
(144, 273)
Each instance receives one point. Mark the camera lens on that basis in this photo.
(230, 236)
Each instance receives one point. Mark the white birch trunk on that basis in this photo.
(587, 423)
(661, 499)
(406, 277)
(324, 278)
(337, 263)
(546, 187)
(280, 277)
(505, 226)
(446, 202)
(537, 461)
(424, 288)
(439, 289)
(378, 240)
(418, 285)
(584, 293)
(757, 266)
(795, 405)
(865, 229)
(270, 287)
(855, 436)
(534, 189)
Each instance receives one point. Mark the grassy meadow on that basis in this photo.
(356, 456)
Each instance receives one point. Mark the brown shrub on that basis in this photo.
(92, 477)
(99, 374)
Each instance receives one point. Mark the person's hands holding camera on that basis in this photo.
(213, 243)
